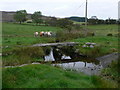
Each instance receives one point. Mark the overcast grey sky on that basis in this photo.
(64, 8)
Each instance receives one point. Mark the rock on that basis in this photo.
(91, 46)
(93, 43)
(84, 46)
(88, 43)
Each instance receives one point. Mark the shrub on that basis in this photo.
(109, 34)
(112, 72)
(64, 35)
(22, 55)
(117, 35)
(33, 52)
(90, 34)
(46, 50)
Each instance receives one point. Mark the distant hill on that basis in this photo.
(77, 19)
(8, 16)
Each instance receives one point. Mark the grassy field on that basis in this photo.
(45, 76)
(103, 29)
(15, 34)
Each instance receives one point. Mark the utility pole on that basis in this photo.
(86, 18)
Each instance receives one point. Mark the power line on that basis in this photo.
(79, 7)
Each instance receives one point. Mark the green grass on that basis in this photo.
(21, 30)
(103, 47)
(45, 76)
(22, 55)
(16, 34)
(103, 29)
(112, 72)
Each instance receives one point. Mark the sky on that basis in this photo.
(103, 9)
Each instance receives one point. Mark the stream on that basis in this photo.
(69, 59)
(72, 63)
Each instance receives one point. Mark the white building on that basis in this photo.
(94, 17)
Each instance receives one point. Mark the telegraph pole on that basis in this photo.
(86, 18)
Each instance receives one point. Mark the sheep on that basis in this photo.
(35, 34)
(45, 33)
(49, 34)
(41, 33)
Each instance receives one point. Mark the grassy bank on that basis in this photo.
(112, 72)
(45, 76)
(104, 45)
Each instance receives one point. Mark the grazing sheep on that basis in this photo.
(45, 33)
(35, 34)
(41, 33)
(49, 34)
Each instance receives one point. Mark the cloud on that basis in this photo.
(64, 8)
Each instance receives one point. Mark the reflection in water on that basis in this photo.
(87, 66)
(89, 69)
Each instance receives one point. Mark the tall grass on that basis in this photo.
(44, 76)
(112, 72)
(104, 45)
(22, 55)
(65, 35)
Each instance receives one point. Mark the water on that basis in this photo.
(89, 67)
(50, 57)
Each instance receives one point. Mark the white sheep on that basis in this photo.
(35, 34)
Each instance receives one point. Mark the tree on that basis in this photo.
(51, 22)
(110, 21)
(93, 21)
(65, 23)
(36, 16)
(20, 16)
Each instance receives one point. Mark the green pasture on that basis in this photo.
(103, 30)
(46, 76)
(24, 29)
(16, 34)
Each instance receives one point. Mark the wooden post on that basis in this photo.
(86, 19)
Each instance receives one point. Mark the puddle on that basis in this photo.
(78, 63)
